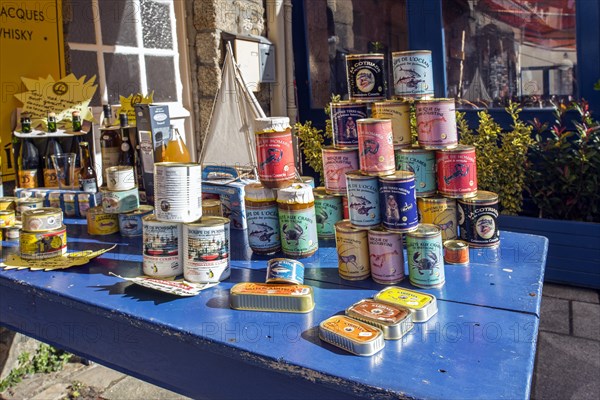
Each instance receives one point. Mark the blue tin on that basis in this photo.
(422, 163)
(425, 255)
(363, 199)
(130, 224)
(285, 270)
(398, 202)
(344, 115)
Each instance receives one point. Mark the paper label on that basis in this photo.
(177, 288)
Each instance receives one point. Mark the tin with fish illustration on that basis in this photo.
(275, 152)
(413, 73)
(162, 247)
(457, 172)
(399, 112)
(436, 123)
(478, 219)
(262, 218)
(344, 115)
(130, 224)
(285, 270)
(328, 210)
(425, 255)
(336, 162)
(421, 162)
(386, 256)
(440, 211)
(120, 202)
(206, 250)
(352, 246)
(101, 223)
(398, 202)
(366, 76)
(363, 199)
(375, 146)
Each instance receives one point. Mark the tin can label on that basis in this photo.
(413, 74)
(7, 218)
(206, 253)
(422, 164)
(70, 207)
(353, 255)
(363, 202)
(162, 267)
(275, 155)
(375, 147)
(479, 224)
(456, 173)
(442, 214)
(398, 203)
(263, 228)
(343, 124)
(387, 257)
(399, 113)
(284, 270)
(131, 224)
(425, 261)
(328, 211)
(405, 298)
(178, 192)
(436, 124)
(298, 231)
(54, 200)
(28, 178)
(88, 185)
(162, 249)
(43, 245)
(335, 165)
(366, 77)
(101, 223)
(50, 178)
(119, 202)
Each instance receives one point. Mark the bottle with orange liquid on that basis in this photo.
(175, 150)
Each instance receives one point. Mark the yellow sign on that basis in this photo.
(128, 103)
(69, 260)
(31, 44)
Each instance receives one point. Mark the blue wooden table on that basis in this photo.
(481, 344)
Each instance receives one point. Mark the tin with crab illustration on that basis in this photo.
(386, 256)
(275, 152)
(262, 219)
(436, 123)
(399, 112)
(425, 255)
(413, 73)
(398, 202)
(457, 172)
(297, 220)
(422, 163)
(363, 199)
(440, 211)
(336, 162)
(328, 210)
(375, 146)
(478, 219)
(285, 270)
(352, 247)
(344, 115)
(366, 76)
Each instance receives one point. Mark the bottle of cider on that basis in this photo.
(176, 150)
(29, 165)
(110, 143)
(126, 157)
(87, 174)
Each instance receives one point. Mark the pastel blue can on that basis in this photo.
(329, 210)
(422, 163)
(398, 202)
(285, 270)
(130, 224)
(363, 199)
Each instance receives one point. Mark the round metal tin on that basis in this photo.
(161, 240)
(69, 204)
(422, 163)
(478, 219)
(344, 115)
(440, 211)
(363, 199)
(8, 203)
(398, 202)
(7, 218)
(120, 178)
(101, 223)
(285, 270)
(352, 246)
(386, 256)
(399, 112)
(119, 202)
(436, 123)
(457, 172)
(131, 224)
(413, 73)
(425, 257)
(262, 218)
(328, 211)
(366, 76)
(297, 220)
(336, 162)
(375, 146)
(206, 250)
(275, 152)
(211, 208)
(456, 252)
(30, 203)
(41, 245)
(177, 191)
(42, 219)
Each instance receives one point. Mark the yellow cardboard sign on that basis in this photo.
(68, 260)
(128, 103)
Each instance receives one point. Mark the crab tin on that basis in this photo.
(413, 73)
(39, 245)
(456, 172)
(211, 208)
(423, 305)
(398, 202)
(206, 250)
(162, 253)
(42, 219)
(297, 220)
(7, 218)
(352, 247)
(375, 146)
(275, 297)
(386, 256)
(363, 199)
(344, 115)
(101, 223)
(177, 191)
(436, 123)
(30, 203)
(440, 211)
(399, 112)
(425, 257)
(8, 203)
(328, 210)
(366, 76)
(285, 270)
(394, 321)
(275, 152)
(262, 218)
(351, 335)
(478, 219)
(456, 252)
(120, 178)
(422, 163)
(130, 224)
(336, 162)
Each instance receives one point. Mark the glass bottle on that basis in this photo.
(53, 148)
(126, 156)
(76, 120)
(110, 143)
(28, 164)
(176, 150)
(75, 150)
(51, 122)
(87, 175)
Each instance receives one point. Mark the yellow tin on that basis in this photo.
(275, 297)
(101, 223)
(440, 211)
(423, 305)
(399, 112)
(7, 218)
(211, 208)
(38, 245)
(352, 246)
(8, 203)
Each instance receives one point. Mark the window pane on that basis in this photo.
(86, 63)
(156, 25)
(122, 75)
(336, 28)
(118, 19)
(81, 28)
(499, 49)
(160, 75)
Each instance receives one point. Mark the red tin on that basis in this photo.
(376, 146)
(457, 172)
(275, 154)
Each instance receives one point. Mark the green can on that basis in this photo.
(425, 257)
(297, 220)
(329, 210)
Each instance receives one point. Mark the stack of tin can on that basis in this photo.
(9, 224)
(43, 234)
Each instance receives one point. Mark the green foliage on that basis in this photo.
(597, 85)
(563, 175)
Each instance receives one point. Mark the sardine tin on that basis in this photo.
(275, 297)
(423, 305)
(393, 320)
(285, 270)
(351, 335)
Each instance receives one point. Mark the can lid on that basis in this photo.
(209, 221)
(458, 149)
(425, 230)
(344, 225)
(381, 231)
(357, 174)
(176, 164)
(297, 193)
(211, 203)
(434, 199)
(404, 176)
(273, 124)
(482, 197)
(393, 102)
(6, 212)
(360, 56)
(456, 244)
(26, 200)
(321, 193)
(373, 120)
(7, 199)
(142, 209)
(43, 211)
(327, 149)
(415, 150)
(411, 52)
(119, 168)
(436, 100)
(257, 192)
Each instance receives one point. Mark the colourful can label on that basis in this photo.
(422, 164)
(366, 76)
(130, 224)
(375, 146)
(285, 270)
(363, 200)
(84, 204)
(328, 211)
(386, 255)
(7, 218)
(399, 113)
(100, 223)
(36, 245)
(457, 172)
(413, 73)
(69, 202)
(24, 204)
(436, 123)
(206, 251)
(353, 251)
(335, 165)
(263, 228)
(425, 260)
(343, 123)
(162, 248)
(298, 231)
(275, 155)
(440, 211)
(398, 203)
(120, 202)
(479, 224)
(28, 178)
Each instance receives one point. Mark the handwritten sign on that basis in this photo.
(128, 103)
(50, 264)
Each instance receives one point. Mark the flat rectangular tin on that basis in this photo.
(394, 321)
(423, 305)
(351, 335)
(272, 297)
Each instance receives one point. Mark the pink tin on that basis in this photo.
(375, 146)
(436, 123)
(386, 256)
(335, 164)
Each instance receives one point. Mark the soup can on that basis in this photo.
(425, 257)
(275, 152)
(285, 270)
(398, 202)
(366, 76)
(7, 218)
(436, 123)
(116, 202)
(262, 218)
(297, 220)
(101, 223)
(120, 178)
(386, 256)
(375, 147)
(177, 191)
(336, 162)
(478, 219)
(457, 172)
(422, 163)
(363, 199)
(440, 211)
(130, 224)
(54, 199)
(344, 115)
(30, 203)
(413, 73)
(42, 219)
(211, 208)
(456, 252)
(9, 203)
(352, 246)
(70, 209)
(40, 245)
(399, 112)
(162, 254)
(328, 210)
(83, 200)
(206, 250)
